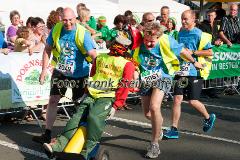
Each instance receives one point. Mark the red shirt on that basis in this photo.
(122, 92)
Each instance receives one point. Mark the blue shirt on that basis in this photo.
(152, 59)
(191, 40)
(3, 43)
(70, 54)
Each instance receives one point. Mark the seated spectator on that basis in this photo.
(171, 28)
(23, 41)
(12, 30)
(230, 28)
(3, 45)
(211, 26)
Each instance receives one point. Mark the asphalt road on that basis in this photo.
(128, 134)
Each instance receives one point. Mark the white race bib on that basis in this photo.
(65, 68)
(184, 71)
(150, 76)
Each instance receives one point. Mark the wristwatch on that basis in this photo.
(193, 51)
(193, 62)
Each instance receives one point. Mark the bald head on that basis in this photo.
(188, 19)
(69, 18)
(68, 12)
(233, 10)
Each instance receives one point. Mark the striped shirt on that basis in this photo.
(231, 28)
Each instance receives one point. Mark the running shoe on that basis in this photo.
(209, 123)
(170, 134)
(153, 151)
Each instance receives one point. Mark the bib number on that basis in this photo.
(65, 68)
(150, 76)
(184, 71)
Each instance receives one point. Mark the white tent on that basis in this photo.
(42, 8)
(108, 8)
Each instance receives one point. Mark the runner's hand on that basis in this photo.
(42, 77)
(229, 44)
(198, 65)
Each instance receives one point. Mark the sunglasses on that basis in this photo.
(150, 20)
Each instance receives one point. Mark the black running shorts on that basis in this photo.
(189, 86)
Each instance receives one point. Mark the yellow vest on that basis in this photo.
(79, 39)
(206, 61)
(169, 58)
(109, 71)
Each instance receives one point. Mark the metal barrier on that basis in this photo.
(227, 82)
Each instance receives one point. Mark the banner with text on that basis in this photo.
(22, 72)
(226, 62)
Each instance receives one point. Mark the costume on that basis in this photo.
(103, 93)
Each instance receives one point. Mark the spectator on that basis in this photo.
(120, 22)
(219, 11)
(28, 22)
(84, 17)
(39, 35)
(3, 45)
(171, 28)
(92, 21)
(103, 29)
(147, 17)
(60, 13)
(230, 28)
(12, 30)
(23, 41)
(2, 27)
(52, 19)
(211, 26)
(164, 16)
(130, 18)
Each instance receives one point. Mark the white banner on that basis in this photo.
(24, 71)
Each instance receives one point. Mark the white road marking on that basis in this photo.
(108, 134)
(43, 155)
(221, 107)
(188, 133)
(23, 149)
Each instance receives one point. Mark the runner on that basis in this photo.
(70, 45)
(199, 44)
(101, 100)
(157, 58)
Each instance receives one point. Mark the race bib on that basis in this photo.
(150, 76)
(65, 68)
(184, 71)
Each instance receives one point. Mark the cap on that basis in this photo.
(102, 20)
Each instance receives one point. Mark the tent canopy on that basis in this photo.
(108, 8)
